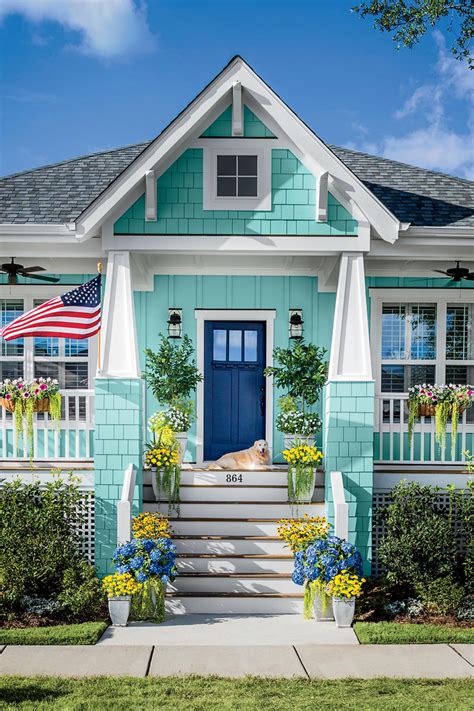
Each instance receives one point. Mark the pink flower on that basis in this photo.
(37, 390)
(26, 394)
(43, 386)
(8, 396)
(19, 385)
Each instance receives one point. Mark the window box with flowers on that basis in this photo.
(443, 402)
(162, 458)
(24, 398)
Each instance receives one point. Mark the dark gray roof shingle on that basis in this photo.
(59, 193)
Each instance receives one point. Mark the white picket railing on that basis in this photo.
(70, 439)
(391, 435)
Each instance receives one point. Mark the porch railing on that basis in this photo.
(391, 435)
(72, 439)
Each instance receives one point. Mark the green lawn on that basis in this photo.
(401, 633)
(211, 694)
(85, 633)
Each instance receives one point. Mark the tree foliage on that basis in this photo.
(410, 20)
(301, 370)
(171, 371)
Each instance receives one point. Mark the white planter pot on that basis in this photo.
(182, 438)
(323, 611)
(304, 497)
(344, 609)
(291, 439)
(162, 494)
(119, 610)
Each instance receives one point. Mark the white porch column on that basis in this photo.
(350, 347)
(119, 351)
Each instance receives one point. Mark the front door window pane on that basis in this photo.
(250, 346)
(219, 351)
(235, 345)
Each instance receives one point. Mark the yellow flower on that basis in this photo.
(151, 525)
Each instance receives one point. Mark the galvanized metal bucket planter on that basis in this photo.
(290, 440)
(182, 438)
(119, 609)
(344, 609)
(323, 611)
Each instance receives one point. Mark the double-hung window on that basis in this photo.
(422, 336)
(70, 361)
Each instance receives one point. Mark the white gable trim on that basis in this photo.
(201, 112)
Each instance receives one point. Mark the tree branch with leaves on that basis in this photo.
(409, 21)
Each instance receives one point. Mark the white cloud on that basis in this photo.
(433, 143)
(107, 28)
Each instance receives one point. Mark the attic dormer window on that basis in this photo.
(236, 176)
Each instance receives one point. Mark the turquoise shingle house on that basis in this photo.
(235, 217)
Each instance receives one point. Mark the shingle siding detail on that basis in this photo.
(180, 208)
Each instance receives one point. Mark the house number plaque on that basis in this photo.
(234, 478)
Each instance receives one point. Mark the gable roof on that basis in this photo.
(59, 193)
(85, 190)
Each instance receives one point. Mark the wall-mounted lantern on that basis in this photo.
(295, 324)
(175, 323)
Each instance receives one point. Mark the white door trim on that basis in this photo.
(203, 315)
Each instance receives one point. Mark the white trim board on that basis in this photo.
(202, 315)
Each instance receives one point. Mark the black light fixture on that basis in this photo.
(295, 324)
(175, 323)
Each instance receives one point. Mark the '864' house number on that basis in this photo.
(234, 478)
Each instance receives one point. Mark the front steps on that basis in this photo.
(230, 558)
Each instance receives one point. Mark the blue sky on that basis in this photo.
(79, 76)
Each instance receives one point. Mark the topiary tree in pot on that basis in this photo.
(172, 376)
(301, 370)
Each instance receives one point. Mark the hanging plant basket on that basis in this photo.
(425, 410)
(9, 405)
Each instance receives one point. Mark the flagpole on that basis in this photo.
(99, 271)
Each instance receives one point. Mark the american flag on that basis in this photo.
(75, 314)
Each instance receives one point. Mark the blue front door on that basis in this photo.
(234, 386)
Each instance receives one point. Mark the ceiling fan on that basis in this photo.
(457, 273)
(14, 270)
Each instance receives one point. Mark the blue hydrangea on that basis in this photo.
(142, 577)
(149, 544)
(297, 578)
(137, 563)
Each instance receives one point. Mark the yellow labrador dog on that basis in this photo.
(253, 458)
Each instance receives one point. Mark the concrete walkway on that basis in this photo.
(306, 661)
(229, 630)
